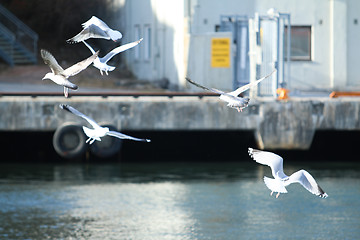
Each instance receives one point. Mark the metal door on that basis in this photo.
(271, 42)
(239, 27)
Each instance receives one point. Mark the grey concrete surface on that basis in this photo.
(276, 124)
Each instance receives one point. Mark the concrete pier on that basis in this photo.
(276, 124)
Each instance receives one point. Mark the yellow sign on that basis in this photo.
(220, 52)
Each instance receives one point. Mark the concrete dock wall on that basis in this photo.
(276, 125)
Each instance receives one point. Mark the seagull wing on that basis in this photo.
(91, 31)
(274, 161)
(50, 60)
(97, 22)
(79, 114)
(247, 86)
(78, 67)
(89, 47)
(209, 89)
(124, 136)
(113, 34)
(308, 182)
(119, 49)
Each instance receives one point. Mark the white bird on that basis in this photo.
(280, 180)
(232, 98)
(97, 132)
(101, 63)
(60, 76)
(95, 28)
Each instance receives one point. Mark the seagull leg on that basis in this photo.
(277, 195)
(92, 141)
(88, 140)
(271, 193)
(101, 73)
(106, 73)
(66, 92)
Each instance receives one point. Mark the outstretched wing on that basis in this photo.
(50, 60)
(95, 21)
(274, 161)
(90, 31)
(78, 67)
(89, 47)
(79, 114)
(247, 86)
(200, 86)
(119, 49)
(124, 136)
(308, 182)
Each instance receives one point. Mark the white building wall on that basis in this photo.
(199, 63)
(160, 54)
(307, 75)
(205, 14)
(353, 38)
(169, 39)
(334, 36)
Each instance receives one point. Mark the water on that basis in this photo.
(174, 201)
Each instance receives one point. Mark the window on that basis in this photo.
(300, 48)
(137, 37)
(147, 42)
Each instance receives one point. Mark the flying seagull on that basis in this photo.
(101, 63)
(60, 76)
(97, 132)
(232, 98)
(280, 180)
(95, 28)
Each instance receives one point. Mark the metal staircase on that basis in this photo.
(18, 43)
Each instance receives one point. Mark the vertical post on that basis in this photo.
(278, 59)
(288, 52)
(252, 54)
(338, 45)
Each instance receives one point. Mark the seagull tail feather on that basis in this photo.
(275, 185)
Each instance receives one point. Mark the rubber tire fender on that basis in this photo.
(69, 141)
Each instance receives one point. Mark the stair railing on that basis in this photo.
(23, 34)
(7, 51)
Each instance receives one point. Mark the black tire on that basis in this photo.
(108, 146)
(69, 141)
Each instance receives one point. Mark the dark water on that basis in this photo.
(174, 201)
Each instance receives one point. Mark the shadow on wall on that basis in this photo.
(154, 58)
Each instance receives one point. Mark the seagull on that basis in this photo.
(100, 63)
(232, 98)
(97, 132)
(95, 28)
(280, 180)
(60, 76)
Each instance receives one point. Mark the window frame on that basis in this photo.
(293, 57)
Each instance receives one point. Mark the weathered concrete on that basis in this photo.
(283, 125)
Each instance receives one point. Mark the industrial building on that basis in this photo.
(177, 42)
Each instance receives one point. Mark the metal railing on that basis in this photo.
(7, 45)
(105, 94)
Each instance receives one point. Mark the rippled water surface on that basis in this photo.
(174, 201)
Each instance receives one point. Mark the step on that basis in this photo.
(16, 52)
